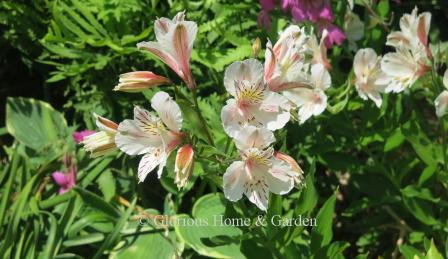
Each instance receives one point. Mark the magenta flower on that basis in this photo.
(66, 181)
(335, 34)
(316, 11)
(311, 10)
(79, 136)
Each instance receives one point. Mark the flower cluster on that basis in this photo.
(294, 78)
(154, 135)
(290, 85)
(396, 71)
(315, 11)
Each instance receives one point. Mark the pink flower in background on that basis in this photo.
(311, 10)
(335, 34)
(66, 181)
(79, 136)
(316, 11)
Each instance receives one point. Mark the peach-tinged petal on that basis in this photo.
(156, 49)
(138, 81)
(105, 124)
(184, 165)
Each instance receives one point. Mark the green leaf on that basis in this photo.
(429, 153)
(309, 196)
(322, 234)
(412, 191)
(421, 210)
(35, 123)
(191, 117)
(433, 253)
(106, 183)
(211, 239)
(96, 202)
(395, 140)
(112, 237)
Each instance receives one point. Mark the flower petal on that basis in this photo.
(168, 110)
(320, 77)
(231, 118)
(441, 103)
(253, 137)
(279, 178)
(148, 162)
(258, 193)
(60, 178)
(136, 137)
(234, 179)
(249, 70)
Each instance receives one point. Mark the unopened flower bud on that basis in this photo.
(184, 165)
(138, 81)
(256, 47)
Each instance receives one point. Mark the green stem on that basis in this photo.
(204, 123)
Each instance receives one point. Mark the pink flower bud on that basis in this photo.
(140, 80)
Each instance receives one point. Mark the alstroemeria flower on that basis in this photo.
(175, 40)
(285, 61)
(153, 136)
(103, 141)
(253, 103)
(140, 80)
(311, 101)
(319, 50)
(403, 67)
(441, 101)
(414, 32)
(184, 165)
(297, 172)
(259, 172)
(66, 181)
(78, 136)
(370, 80)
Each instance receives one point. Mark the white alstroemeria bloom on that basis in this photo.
(153, 136)
(370, 80)
(311, 101)
(174, 43)
(285, 61)
(414, 32)
(441, 101)
(318, 50)
(102, 142)
(253, 104)
(259, 172)
(403, 68)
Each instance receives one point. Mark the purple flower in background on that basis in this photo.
(79, 136)
(335, 34)
(316, 11)
(311, 10)
(66, 181)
